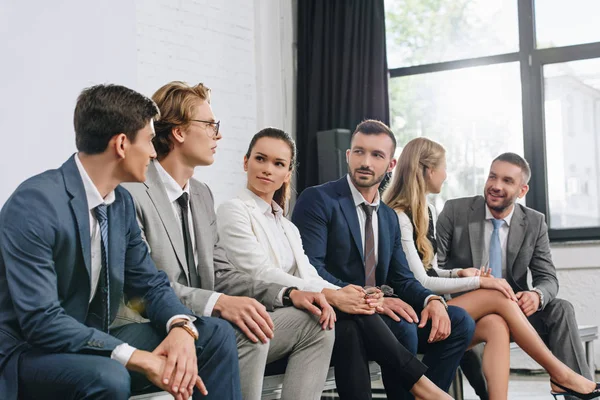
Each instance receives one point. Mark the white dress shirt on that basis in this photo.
(174, 191)
(362, 216)
(487, 237)
(273, 213)
(122, 353)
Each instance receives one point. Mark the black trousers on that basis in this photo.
(363, 338)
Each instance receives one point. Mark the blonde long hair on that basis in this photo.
(408, 189)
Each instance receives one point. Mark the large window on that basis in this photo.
(487, 76)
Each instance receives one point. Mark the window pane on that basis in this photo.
(572, 129)
(429, 31)
(560, 23)
(475, 113)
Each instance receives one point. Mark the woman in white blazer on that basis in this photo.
(421, 170)
(261, 241)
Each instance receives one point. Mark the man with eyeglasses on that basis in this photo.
(176, 214)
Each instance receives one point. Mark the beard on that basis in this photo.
(506, 202)
(363, 181)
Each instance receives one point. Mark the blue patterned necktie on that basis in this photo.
(496, 249)
(101, 213)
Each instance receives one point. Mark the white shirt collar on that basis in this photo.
(174, 191)
(93, 196)
(358, 198)
(265, 207)
(507, 219)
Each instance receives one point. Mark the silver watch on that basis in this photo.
(439, 298)
(541, 294)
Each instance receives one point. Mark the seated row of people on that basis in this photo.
(351, 279)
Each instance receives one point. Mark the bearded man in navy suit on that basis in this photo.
(351, 237)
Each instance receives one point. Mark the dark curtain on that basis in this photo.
(342, 72)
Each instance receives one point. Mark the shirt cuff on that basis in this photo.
(122, 353)
(179, 316)
(210, 304)
(279, 299)
(427, 299)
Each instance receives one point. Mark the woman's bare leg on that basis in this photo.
(493, 331)
(482, 302)
(424, 389)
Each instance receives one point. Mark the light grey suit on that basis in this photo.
(460, 235)
(297, 333)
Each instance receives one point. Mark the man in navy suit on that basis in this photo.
(70, 247)
(351, 237)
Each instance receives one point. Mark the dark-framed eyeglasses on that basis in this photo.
(214, 127)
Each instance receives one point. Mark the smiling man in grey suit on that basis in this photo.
(176, 214)
(513, 240)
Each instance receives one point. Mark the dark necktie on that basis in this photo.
(184, 203)
(369, 252)
(100, 304)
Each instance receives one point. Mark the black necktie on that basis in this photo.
(100, 305)
(369, 253)
(184, 203)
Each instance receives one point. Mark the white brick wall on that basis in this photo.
(215, 42)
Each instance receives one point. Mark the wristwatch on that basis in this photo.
(439, 298)
(188, 326)
(541, 294)
(286, 300)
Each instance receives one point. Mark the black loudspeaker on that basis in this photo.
(331, 152)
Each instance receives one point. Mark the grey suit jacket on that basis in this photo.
(460, 233)
(162, 232)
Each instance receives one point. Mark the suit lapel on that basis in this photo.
(349, 211)
(159, 198)
(262, 222)
(79, 206)
(203, 234)
(516, 233)
(476, 231)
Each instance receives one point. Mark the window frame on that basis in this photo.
(532, 62)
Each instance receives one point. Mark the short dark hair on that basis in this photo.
(515, 159)
(103, 111)
(374, 127)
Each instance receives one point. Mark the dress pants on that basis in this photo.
(557, 326)
(441, 358)
(85, 376)
(361, 338)
(297, 336)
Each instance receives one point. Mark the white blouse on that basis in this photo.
(447, 282)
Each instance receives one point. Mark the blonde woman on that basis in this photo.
(421, 170)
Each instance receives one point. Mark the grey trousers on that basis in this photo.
(297, 334)
(557, 326)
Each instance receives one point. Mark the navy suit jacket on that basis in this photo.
(45, 271)
(328, 223)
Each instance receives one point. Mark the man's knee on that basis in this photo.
(113, 382)
(221, 336)
(561, 307)
(406, 333)
(463, 325)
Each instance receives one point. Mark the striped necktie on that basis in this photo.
(102, 299)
